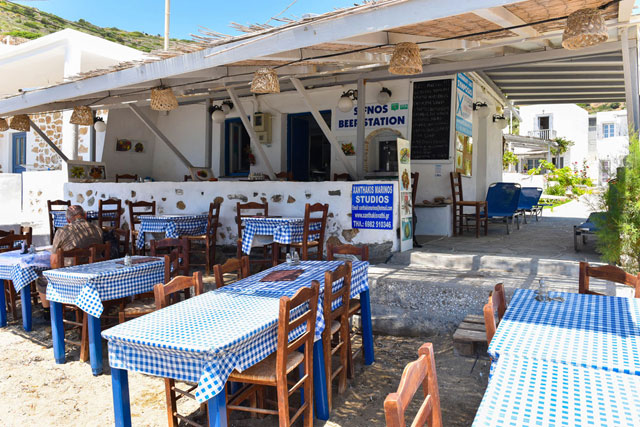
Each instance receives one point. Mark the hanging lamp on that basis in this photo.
(99, 125)
(21, 123)
(406, 59)
(3, 125)
(585, 27)
(265, 80)
(163, 99)
(82, 115)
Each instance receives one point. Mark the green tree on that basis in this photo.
(619, 230)
(509, 158)
(563, 146)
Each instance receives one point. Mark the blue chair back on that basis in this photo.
(502, 199)
(529, 197)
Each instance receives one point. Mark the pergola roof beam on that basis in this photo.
(502, 17)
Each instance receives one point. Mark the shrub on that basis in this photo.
(24, 34)
(509, 158)
(556, 190)
(32, 25)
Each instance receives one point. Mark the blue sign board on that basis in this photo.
(372, 206)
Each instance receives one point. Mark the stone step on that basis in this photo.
(486, 262)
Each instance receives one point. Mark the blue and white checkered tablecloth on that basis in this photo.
(22, 269)
(591, 331)
(532, 392)
(173, 226)
(86, 286)
(283, 230)
(60, 217)
(203, 339)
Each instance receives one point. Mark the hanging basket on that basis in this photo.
(21, 123)
(585, 28)
(163, 99)
(82, 116)
(406, 59)
(3, 125)
(265, 80)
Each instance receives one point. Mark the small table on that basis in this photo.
(86, 286)
(204, 338)
(593, 331)
(284, 231)
(532, 392)
(22, 270)
(173, 226)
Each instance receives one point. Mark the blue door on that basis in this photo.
(299, 147)
(19, 153)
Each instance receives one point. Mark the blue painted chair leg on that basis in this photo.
(25, 295)
(320, 382)
(3, 306)
(367, 329)
(57, 332)
(95, 344)
(217, 408)
(121, 403)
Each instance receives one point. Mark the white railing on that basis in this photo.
(547, 134)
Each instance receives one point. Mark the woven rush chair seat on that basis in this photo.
(140, 306)
(265, 370)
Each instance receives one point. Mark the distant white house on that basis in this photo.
(600, 140)
(27, 66)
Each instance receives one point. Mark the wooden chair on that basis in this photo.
(233, 265)
(421, 371)
(55, 205)
(335, 337)
(5, 233)
(497, 301)
(458, 205)
(164, 296)
(109, 212)
(274, 370)
(309, 221)
(100, 253)
(252, 209)
(135, 210)
(285, 176)
(362, 253)
(126, 177)
(124, 246)
(415, 178)
(179, 260)
(208, 238)
(610, 273)
(188, 178)
(341, 177)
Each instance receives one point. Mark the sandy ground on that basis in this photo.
(36, 391)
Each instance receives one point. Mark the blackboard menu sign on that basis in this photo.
(431, 120)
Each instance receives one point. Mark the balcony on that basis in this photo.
(547, 134)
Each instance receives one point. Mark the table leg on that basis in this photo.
(25, 295)
(121, 404)
(367, 329)
(95, 344)
(57, 332)
(275, 253)
(217, 409)
(3, 306)
(320, 382)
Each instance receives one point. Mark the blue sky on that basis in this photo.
(186, 15)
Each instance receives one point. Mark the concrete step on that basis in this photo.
(486, 262)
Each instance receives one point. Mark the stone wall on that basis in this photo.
(284, 198)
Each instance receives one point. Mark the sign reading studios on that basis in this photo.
(372, 206)
(393, 114)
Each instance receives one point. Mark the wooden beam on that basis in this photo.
(503, 18)
(255, 142)
(44, 136)
(158, 133)
(631, 85)
(625, 9)
(324, 127)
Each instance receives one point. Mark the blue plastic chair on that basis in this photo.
(502, 202)
(586, 228)
(529, 202)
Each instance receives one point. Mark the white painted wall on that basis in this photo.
(284, 198)
(37, 188)
(612, 149)
(10, 189)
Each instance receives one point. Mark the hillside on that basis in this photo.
(31, 23)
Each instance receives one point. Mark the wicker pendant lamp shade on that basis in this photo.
(3, 125)
(163, 99)
(82, 116)
(265, 80)
(406, 59)
(21, 123)
(585, 28)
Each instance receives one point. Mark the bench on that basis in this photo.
(471, 336)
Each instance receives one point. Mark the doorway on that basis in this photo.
(19, 153)
(308, 150)
(237, 148)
